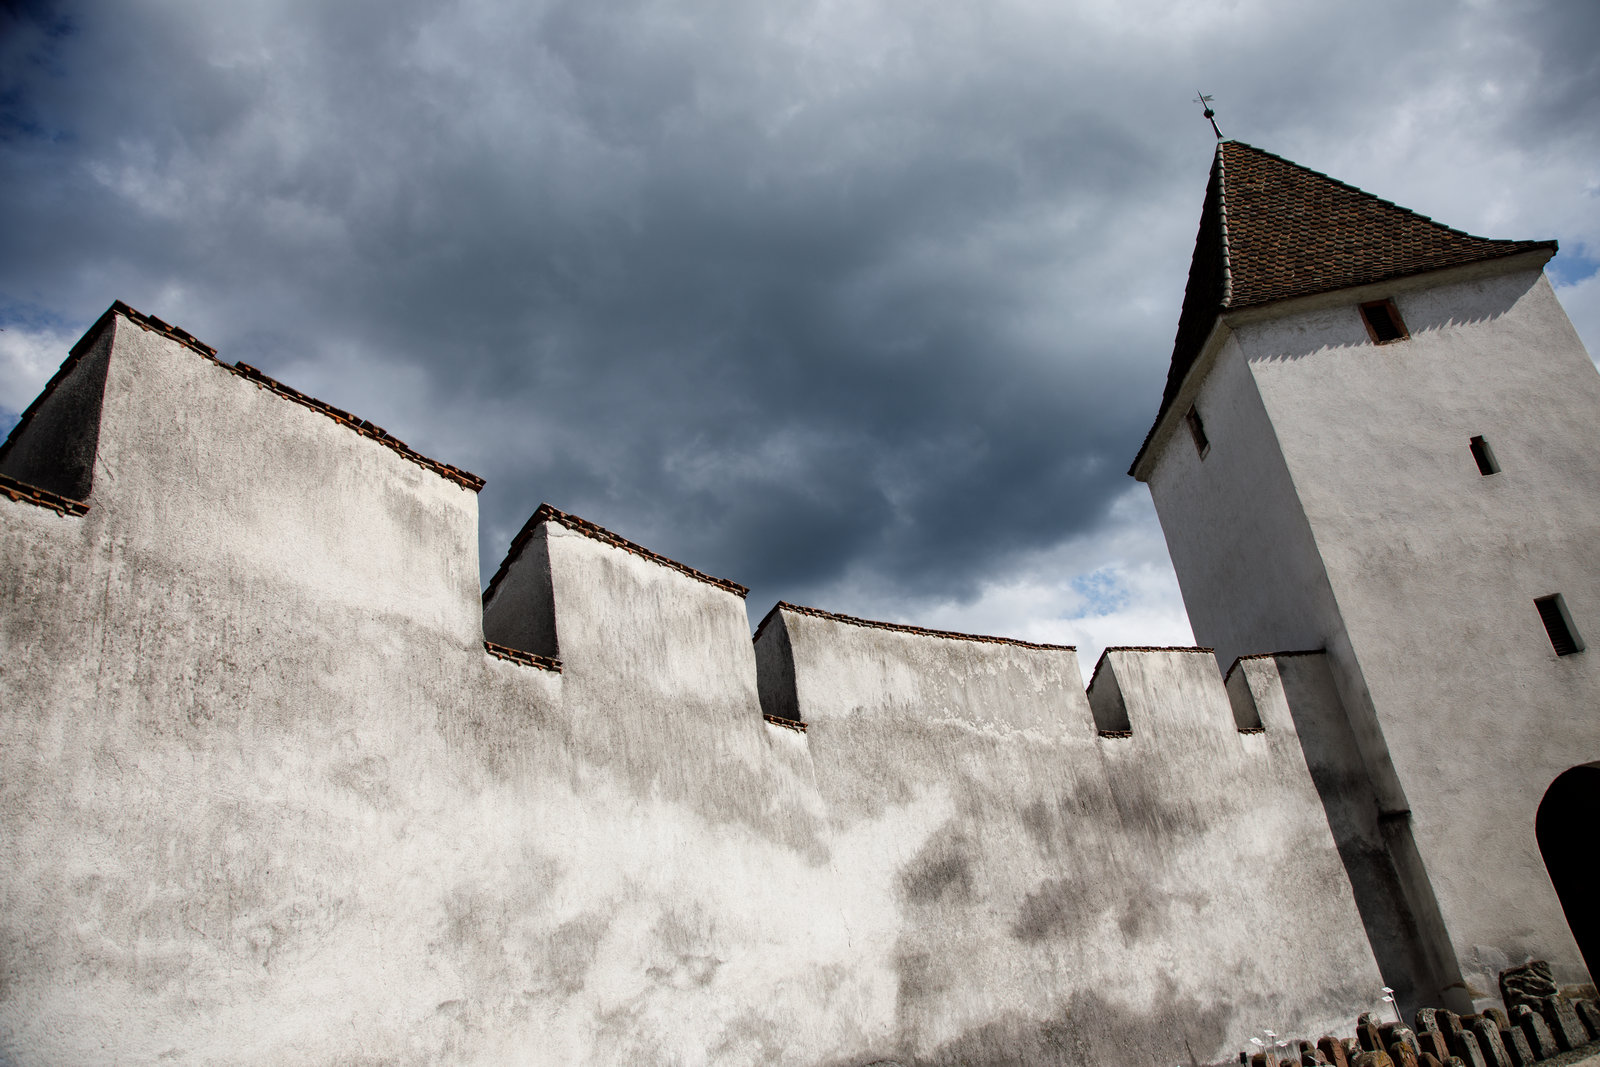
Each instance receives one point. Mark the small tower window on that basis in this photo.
(1383, 322)
(1484, 455)
(1197, 430)
(1558, 624)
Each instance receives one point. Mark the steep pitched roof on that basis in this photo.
(1271, 230)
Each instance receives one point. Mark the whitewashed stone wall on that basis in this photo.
(265, 798)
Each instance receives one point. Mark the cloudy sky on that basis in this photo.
(866, 304)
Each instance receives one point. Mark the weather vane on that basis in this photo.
(1211, 116)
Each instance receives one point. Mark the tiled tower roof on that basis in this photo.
(1271, 230)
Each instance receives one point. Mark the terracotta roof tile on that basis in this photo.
(527, 659)
(32, 494)
(790, 724)
(1273, 230)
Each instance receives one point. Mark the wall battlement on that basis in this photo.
(511, 639)
(976, 678)
(278, 775)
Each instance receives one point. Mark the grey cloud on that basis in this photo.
(789, 292)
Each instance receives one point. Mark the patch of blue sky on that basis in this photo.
(18, 314)
(1103, 592)
(33, 342)
(37, 33)
(1572, 265)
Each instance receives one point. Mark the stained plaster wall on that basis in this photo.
(264, 798)
(1067, 897)
(1344, 467)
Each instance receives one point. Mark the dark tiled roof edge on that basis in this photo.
(360, 426)
(545, 513)
(527, 659)
(851, 620)
(1155, 648)
(243, 370)
(1394, 276)
(32, 494)
(1269, 655)
(155, 325)
(343, 418)
(1101, 662)
(1225, 253)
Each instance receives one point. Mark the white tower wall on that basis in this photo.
(1339, 506)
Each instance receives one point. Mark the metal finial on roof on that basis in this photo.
(1211, 116)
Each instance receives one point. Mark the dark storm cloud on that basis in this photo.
(790, 292)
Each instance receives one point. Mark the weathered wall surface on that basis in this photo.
(1066, 896)
(266, 799)
(226, 690)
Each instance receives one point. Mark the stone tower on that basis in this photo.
(1378, 438)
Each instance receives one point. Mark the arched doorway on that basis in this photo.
(1569, 816)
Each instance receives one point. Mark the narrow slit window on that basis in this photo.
(1383, 322)
(1484, 455)
(1197, 430)
(1558, 624)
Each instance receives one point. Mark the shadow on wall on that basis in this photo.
(941, 871)
(1344, 328)
(1360, 833)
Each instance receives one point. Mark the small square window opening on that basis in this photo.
(1197, 430)
(1558, 624)
(1383, 322)
(1484, 455)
